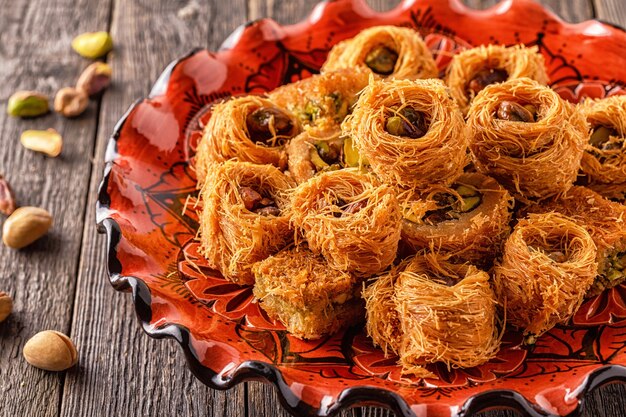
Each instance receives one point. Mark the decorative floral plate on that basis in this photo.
(226, 337)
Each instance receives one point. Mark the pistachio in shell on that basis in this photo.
(51, 351)
(24, 226)
(95, 78)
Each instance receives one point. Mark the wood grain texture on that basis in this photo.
(35, 53)
(123, 371)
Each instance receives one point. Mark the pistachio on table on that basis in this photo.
(50, 350)
(7, 198)
(95, 78)
(70, 101)
(27, 104)
(6, 305)
(92, 45)
(24, 226)
(48, 141)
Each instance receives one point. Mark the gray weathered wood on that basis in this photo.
(35, 53)
(124, 372)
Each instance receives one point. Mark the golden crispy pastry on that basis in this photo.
(311, 299)
(469, 220)
(604, 161)
(243, 217)
(322, 100)
(606, 223)
(431, 310)
(249, 129)
(548, 265)
(410, 132)
(526, 137)
(472, 70)
(387, 51)
(350, 218)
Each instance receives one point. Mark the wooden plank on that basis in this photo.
(124, 372)
(612, 11)
(35, 53)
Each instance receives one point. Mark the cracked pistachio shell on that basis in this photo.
(24, 226)
(27, 104)
(50, 350)
(48, 141)
(6, 305)
(70, 102)
(92, 45)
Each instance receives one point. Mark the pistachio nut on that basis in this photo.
(95, 78)
(70, 101)
(48, 141)
(24, 226)
(92, 45)
(27, 104)
(50, 350)
(7, 197)
(6, 305)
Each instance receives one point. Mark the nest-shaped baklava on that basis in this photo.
(606, 223)
(318, 150)
(526, 137)
(474, 69)
(410, 132)
(312, 300)
(604, 161)
(429, 309)
(249, 129)
(548, 265)
(322, 100)
(243, 217)
(350, 218)
(469, 220)
(387, 51)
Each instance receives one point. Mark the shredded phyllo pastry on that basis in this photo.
(604, 161)
(410, 132)
(526, 137)
(429, 309)
(548, 265)
(301, 290)
(387, 51)
(472, 70)
(440, 214)
(469, 220)
(250, 129)
(606, 223)
(350, 218)
(243, 217)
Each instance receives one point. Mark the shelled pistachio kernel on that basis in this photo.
(6, 305)
(27, 104)
(24, 226)
(92, 45)
(70, 101)
(48, 141)
(51, 351)
(95, 78)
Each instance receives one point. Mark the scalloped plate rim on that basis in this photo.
(267, 373)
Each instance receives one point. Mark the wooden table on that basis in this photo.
(60, 282)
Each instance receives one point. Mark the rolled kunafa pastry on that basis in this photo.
(322, 100)
(469, 220)
(526, 137)
(387, 51)
(320, 150)
(606, 223)
(429, 309)
(410, 132)
(474, 69)
(548, 265)
(604, 160)
(349, 218)
(243, 217)
(301, 291)
(249, 129)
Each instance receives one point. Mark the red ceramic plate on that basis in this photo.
(226, 337)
